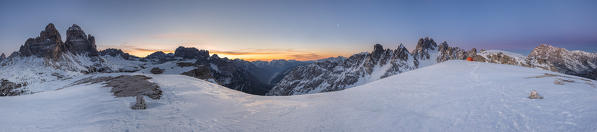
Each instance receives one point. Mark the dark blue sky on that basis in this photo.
(306, 29)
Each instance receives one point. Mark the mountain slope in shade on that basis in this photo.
(337, 74)
(449, 96)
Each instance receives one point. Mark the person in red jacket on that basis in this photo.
(469, 58)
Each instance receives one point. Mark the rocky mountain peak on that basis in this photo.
(424, 45)
(77, 42)
(191, 53)
(48, 44)
(50, 33)
(3, 56)
(115, 52)
(156, 55)
(377, 51)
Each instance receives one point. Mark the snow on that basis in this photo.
(449, 96)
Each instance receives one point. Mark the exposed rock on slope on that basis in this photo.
(561, 60)
(8, 88)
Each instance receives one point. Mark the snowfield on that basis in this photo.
(449, 96)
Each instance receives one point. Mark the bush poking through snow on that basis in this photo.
(535, 95)
(140, 104)
(156, 70)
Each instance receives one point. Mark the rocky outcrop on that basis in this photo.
(454, 53)
(561, 60)
(116, 52)
(2, 57)
(49, 44)
(191, 53)
(8, 88)
(156, 55)
(156, 70)
(77, 42)
(425, 46)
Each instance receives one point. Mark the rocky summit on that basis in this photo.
(77, 42)
(191, 53)
(49, 43)
(116, 52)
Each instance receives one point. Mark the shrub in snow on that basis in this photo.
(156, 70)
(535, 95)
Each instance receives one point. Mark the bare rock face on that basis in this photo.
(49, 44)
(556, 59)
(77, 42)
(191, 53)
(140, 104)
(156, 70)
(424, 47)
(2, 57)
(116, 52)
(535, 95)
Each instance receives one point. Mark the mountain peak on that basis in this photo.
(78, 42)
(74, 27)
(191, 53)
(51, 33)
(423, 47)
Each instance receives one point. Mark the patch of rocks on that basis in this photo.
(127, 85)
(156, 70)
(8, 88)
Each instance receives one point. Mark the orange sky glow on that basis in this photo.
(248, 54)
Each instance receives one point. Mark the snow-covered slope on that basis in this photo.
(449, 96)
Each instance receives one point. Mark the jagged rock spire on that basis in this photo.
(78, 42)
(424, 46)
(377, 51)
(48, 44)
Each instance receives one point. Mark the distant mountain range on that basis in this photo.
(47, 58)
(341, 73)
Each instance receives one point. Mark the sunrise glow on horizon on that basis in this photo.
(265, 30)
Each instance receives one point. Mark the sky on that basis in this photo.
(305, 29)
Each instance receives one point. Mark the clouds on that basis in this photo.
(246, 54)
